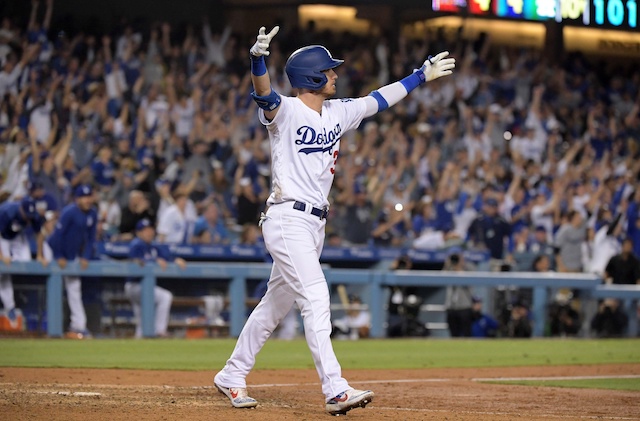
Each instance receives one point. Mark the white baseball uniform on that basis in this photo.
(304, 151)
(19, 250)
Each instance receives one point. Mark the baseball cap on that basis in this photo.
(35, 185)
(83, 190)
(142, 224)
(541, 228)
(28, 205)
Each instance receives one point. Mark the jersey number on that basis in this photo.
(335, 161)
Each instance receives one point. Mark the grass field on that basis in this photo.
(600, 383)
(370, 354)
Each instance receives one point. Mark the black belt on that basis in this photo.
(320, 213)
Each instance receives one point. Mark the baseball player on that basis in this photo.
(15, 220)
(74, 237)
(142, 251)
(304, 132)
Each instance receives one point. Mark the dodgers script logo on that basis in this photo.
(324, 140)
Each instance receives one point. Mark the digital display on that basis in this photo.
(620, 14)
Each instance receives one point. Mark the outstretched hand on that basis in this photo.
(262, 42)
(438, 66)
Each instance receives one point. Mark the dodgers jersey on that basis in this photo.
(305, 145)
(74, 234)
(12, 223)
(148, 252)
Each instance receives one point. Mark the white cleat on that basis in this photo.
(348, 400)
(238, 396)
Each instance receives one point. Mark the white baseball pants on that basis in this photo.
(78, 317)
(294, 239)
(19, 250)
(162, 298)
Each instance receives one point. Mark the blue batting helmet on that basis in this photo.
(305, 66)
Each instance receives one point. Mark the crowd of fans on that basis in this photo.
(516, 153)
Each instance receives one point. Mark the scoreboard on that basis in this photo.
(618, 14)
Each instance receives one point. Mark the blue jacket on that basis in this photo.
(147, 252)
(75, 233)
(13, 222)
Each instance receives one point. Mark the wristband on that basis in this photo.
(415, 79)
(258, 66)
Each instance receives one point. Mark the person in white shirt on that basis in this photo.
(12, 69)
(176, 224)
(604, 246)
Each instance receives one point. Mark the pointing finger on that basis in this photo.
(273, 32)
(262, 31)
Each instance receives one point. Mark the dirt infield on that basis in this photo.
(428, 394)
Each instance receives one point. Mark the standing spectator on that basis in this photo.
(137, 209)
(16, 220)
(623, 268)
(198, 163)
(103, 168)
(540, 243)
(633, 218)
(40, 108)
(37, 33)
(358, 208)
(489, 232)
(568, 243)
(142, 251)
(605, 244)
(215, 44)
(46, 168)
(183, 110)
(391, 226)
(83, 135)
(74, 238)
(12, 70)
(446, 201)
(543, 210)
(114, 78)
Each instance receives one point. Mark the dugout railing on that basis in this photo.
(372, 282)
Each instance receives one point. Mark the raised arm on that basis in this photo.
(432, 68)
(265, 97)
(46, 22)
(33, 15)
